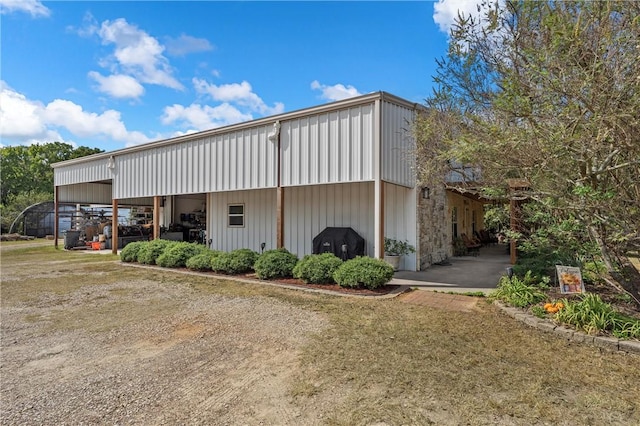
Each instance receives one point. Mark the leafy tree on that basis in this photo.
(548, 92)
(27, 176)
(27, 169)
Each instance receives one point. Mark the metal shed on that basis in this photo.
(277, 180)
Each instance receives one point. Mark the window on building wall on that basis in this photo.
(236, 215)
(454, 222)
(473, 221)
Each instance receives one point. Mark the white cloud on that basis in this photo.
(63, 113)
(203, 117)
(118, 85)
(336, 92)
(238, 93)
(136, 53)
(186, 44)
(26, 121)
(445, 12)
(33, 7)
(19, 117)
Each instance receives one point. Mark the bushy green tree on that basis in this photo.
(27, 176)
(547, 92)
(27, 169)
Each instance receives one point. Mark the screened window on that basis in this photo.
(454, 222)
(473, 221)
(236, 215)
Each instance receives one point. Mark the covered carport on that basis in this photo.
(95, 209)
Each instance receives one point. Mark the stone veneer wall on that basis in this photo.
(433, 227)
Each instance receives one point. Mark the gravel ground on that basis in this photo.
(149, 352)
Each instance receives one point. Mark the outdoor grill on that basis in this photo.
(345, 243)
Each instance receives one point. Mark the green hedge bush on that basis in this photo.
(130, 252)
(176, 255)
(149, 252)
(317, 268)
(520, 292)
(234, 262)
(363, 271)
(278, 263)
(202, 261)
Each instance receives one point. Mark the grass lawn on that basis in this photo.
(376, 361)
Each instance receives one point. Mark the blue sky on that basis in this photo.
(115, 74)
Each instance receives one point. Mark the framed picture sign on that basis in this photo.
(570, 279)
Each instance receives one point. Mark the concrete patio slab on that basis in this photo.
(462, 274)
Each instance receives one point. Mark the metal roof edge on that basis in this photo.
(318, 109)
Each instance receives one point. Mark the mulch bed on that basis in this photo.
(334, 287)
(380, 291)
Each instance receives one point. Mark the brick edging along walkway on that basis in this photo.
(611, 343)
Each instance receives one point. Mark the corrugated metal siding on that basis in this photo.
(397, 144)
(96, 193)
(400, 218)
(328, 148)
(239, 160)
(85, 193)
(91, 171)
(310, 209)
(260, 220)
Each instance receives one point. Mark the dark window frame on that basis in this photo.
(233, 215)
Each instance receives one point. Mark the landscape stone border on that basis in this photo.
(605, 342)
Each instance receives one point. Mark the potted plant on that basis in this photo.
(394, 250)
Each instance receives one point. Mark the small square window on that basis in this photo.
(236, 215)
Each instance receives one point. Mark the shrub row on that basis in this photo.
(280, 263)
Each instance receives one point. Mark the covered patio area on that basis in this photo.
(461, 273)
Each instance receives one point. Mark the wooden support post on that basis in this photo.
(380, 213)
(114, 227)
(513, 226)
(56, 218)
(156, 217)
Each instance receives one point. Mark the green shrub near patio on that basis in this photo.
(278, 263)
(235, 262)
(317, 268)
(363, 272)
(202, 261)
(130, 252)
(519, 292)
(592, 315)
(176, 255)
(149, 252)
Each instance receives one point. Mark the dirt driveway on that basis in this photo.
(119, 349)
(87, 341)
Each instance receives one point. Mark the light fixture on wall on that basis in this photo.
(275, 132)
(112, 163)
(426, 193)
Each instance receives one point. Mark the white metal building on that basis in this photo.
(277, 180)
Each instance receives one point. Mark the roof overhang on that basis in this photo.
(320, 109)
